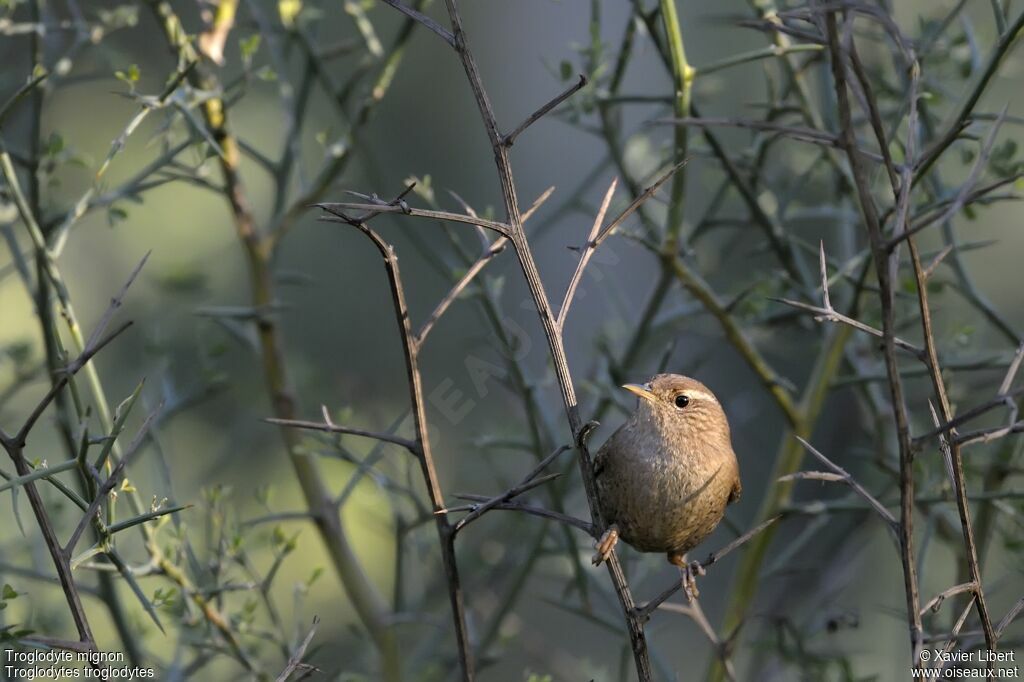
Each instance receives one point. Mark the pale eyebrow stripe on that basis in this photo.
(703, 395)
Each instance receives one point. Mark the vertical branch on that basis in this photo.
(423, 450)
(548, 322)
(884, 272)
(683, 75)
(955, 453)
(902, 183)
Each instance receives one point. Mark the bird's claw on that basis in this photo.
(606, 545)
(584, 433)
(691, 570)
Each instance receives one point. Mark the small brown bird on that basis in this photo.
(666, 476)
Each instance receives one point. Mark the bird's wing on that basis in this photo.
(601, 459)
(737, 490)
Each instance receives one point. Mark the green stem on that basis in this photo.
(753, 56)
(682, 74)
(42, 472)
(787, 461)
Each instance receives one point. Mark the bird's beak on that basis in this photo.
(642, 390)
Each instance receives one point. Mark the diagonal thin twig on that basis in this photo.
(845, 477)
(423, 19)
(935, 602)
(529, 482)
(585, 255)
(113, 480)
(375, 209)
(348, 430)
(510, 139)
(645, 610)
(295, 660)
(826, 313)
(512, 505)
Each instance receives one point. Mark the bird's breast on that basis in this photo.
(666, 498)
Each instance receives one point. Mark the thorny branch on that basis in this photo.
(884, 264)
(553, 333)
(421, 447)
(15, 446)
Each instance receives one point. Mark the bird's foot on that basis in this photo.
(584, 433)
(606, 545)
(690, 573)
(690, 570)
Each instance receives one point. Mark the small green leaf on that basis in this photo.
(565, 70)
(54, 144)
(131, 76)
(8, 592)
(249, 46)
(266, 74)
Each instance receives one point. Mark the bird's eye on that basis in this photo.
(681, 401)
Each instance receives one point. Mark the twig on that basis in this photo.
(967, 415)
(957, 626)
(962, 116)
(988, 435)
(586, 527)
(295, 660)
(846, 478)
(935, 602)
(585, 254)
(14, 445)
(1011, 371)
(496, 247)
(528, 265)
(882, 270)
(348, 430)
(1010, 616)
(646, 610)
(423, 19)
(510, 139)
(832, 315)
(529, 482)
(423, 450)
(695, 613)
(375, 209)
(73, 368)
(259, 248)
(967, 189)
(795, 132)
(113, 480)
(952, 447)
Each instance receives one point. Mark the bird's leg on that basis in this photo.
(606, 544)
(690, 571)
